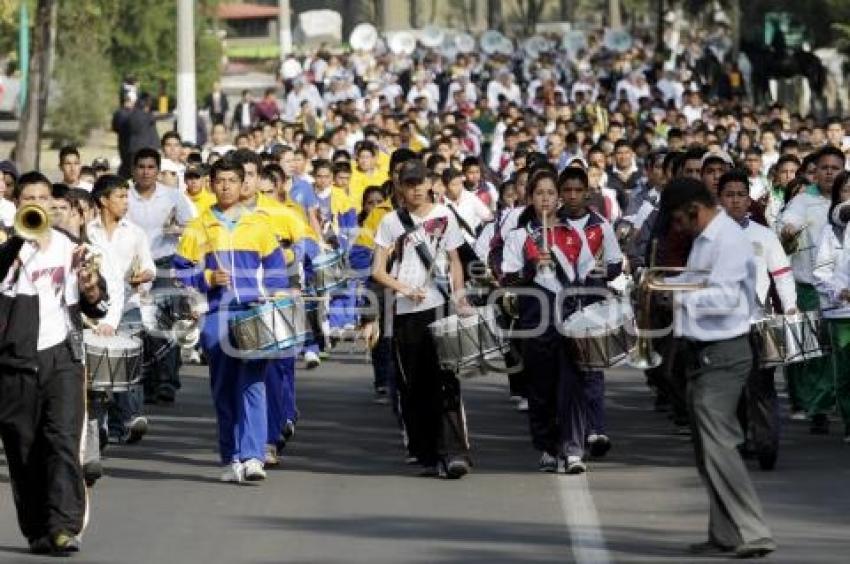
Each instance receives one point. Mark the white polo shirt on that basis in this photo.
(150, 214)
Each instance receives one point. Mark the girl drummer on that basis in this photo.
(416, 235)
(547, 266)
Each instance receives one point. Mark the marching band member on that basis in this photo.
(832, 280)
(598, 237)
(556, 398)
(339, 223)
(762, 404)
(229, 254)
(715, 325)
(416, 235)
(290, 232)
(197, 179)
(42, 400)
(161, 212)
(132, 265)
(801, 223)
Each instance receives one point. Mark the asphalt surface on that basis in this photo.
(345, 495)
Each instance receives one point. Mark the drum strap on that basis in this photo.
(421, 247)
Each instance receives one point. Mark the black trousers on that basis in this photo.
(758, 411)
(431, 404)
(41, 425)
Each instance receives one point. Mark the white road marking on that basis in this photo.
(586, 540)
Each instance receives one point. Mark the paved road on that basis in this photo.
(345, 495)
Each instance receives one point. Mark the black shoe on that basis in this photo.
(454, 468)
(755, 549)
(708, 548)
(136, 429)
(767, 460)
(166, 396)
(41, 545)
(599, 446)
(65, 543)
(288, 430)
(92, 472)
(820, 424)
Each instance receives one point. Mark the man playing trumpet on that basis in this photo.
(45, 289)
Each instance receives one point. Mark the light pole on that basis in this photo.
(284, 25)
(187, 112)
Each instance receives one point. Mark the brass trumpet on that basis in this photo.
(643, 357)
(31, 222)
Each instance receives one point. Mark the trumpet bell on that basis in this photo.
(402, 43)
(432, 36)
(364, 37)
(31, 222)
(643, 361)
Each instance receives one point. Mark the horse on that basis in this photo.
(768, 65)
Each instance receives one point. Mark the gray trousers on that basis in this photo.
(717, 372)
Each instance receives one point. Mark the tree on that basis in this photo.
(84, 79)
(38, 86)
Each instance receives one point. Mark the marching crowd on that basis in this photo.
(386, 191)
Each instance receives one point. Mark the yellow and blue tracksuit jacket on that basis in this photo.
(242, 248)
(360, 254)
(202, 201)
(288, 226)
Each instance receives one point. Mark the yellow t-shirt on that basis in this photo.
(202, 201)
(360, 181)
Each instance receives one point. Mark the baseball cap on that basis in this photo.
(413, 172)
(721, 156)
(195, 171)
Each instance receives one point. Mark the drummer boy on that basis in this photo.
(222, 253)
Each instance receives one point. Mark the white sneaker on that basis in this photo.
(522, 405)
(575, 465)
(514, 399)
(254, 470)
(312, 360)
(233, 472)
(799, 415)
(592, 438)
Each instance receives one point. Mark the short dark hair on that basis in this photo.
(450, 174)
(246, 156)
(170, 135)
(470, 162)
(227, 164)
(343, 166)
(734, 175)
(322, 163)
(147, 153)
(830, 151)
(66, 151)
(106, 185)
(680, 192)
(400, 156)
(366, 146)
(572, 173)
(28, 179)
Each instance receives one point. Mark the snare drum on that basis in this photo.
(788, 339)
(329, 272)
(469, 345)
(112, 363)
(601, 335)
(271, 326)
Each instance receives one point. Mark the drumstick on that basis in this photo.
(545, 235)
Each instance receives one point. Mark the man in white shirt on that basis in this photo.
(44, 290)
(762, 407)
(503, 85)
(714, 323)
(161, 212)
(127, 249)
(801, 225)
